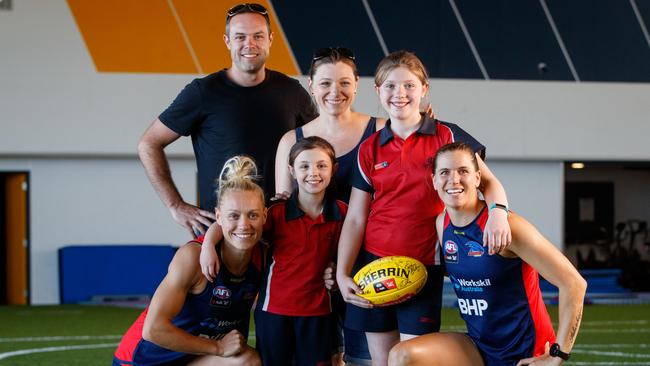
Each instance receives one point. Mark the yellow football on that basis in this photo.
(391, 280)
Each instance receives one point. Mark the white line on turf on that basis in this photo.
(54, 349)
(58, 338)
(614, 322)
(614, 345)
(599, 363)
(633, 330)
(610, 354)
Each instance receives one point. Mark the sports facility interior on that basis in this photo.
(558, 91)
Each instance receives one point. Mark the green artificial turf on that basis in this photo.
(610, 335)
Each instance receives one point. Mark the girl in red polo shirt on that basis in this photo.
(293, 317)
(393, 207)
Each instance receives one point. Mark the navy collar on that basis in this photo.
(331, 211)
(428, 127)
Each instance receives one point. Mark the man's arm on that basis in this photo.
(152, 155)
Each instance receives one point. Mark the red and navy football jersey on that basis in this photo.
(404, 203)
(222, 306)
(499, 298)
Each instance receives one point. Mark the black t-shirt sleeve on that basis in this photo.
(185, 112)
(461, 135)
(306, 109)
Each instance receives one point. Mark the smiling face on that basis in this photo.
(249, 42)
(241, 215)
(456, 179)
(334, 87)
(400, 94)
(313, 170)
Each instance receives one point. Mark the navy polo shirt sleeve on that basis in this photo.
(461, 135)
(361, 172)
(185, 112)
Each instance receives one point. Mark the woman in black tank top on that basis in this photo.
(333, 82)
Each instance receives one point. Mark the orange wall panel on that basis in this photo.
(132, 36)
(146, 36)
(205, 24)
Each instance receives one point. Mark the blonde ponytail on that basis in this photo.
(239, 173)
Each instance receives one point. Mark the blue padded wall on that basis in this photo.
(88, 270)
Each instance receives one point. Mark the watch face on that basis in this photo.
(555, 351)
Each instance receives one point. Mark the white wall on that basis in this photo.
(536, 192)
(543, 120)
(49, 85)
(75, 131)
(93, 201)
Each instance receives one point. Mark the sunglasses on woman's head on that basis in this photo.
(329, 51)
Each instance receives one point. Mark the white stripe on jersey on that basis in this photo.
(267, 295)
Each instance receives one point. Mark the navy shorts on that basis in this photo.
(283, 339)
(418, 315)
(354, 341)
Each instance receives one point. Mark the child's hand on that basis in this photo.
(209, 261)
(281, 196)
(350, 291)
(497, 235)
(329, 277)
(429, 111)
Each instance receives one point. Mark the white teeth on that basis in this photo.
(243, 236)
(453, 191)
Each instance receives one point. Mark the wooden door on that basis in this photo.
(16, 238)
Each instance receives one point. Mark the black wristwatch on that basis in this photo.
(556, 352)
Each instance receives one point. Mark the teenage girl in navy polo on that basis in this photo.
(191, 321)
(393, 204)
(498, 295)
(293, 317)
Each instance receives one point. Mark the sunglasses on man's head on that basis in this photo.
(247, 8)
(329, 51)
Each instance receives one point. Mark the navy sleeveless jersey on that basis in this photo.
(498, 297)
(222, 306)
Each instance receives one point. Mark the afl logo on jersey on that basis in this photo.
(221, 292)
(451, 252)
(221, 297)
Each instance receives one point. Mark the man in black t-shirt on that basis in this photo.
(244, 109)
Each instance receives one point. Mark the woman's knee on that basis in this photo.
(400, 355)
(251, 358)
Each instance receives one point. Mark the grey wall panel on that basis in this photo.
(430, 29)
(644, 9)
(604, 39)
(514, 39)
(316, 24)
